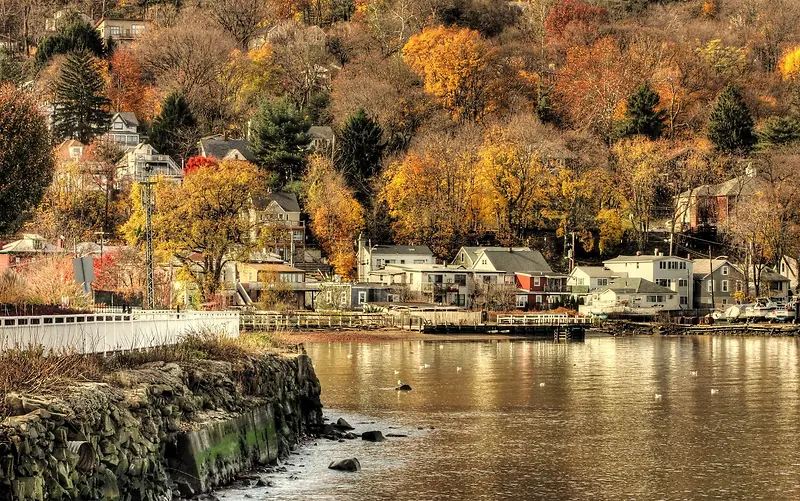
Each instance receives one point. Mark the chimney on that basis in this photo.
(689, 257)
(656, 253)
(638, 253)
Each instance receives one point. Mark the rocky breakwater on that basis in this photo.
(156, 432)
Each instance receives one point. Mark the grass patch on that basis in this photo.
(36, 371)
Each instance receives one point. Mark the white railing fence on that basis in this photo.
(107, 332)
(541, 319)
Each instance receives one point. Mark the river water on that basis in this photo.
(640, 418)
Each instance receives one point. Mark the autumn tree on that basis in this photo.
(280, 138)
(199, 222)
(360, 147)
(126, 88)
(639, 166)
(642, 116)
(459, 69)
(26, 159)
(512, 180)
(593, 84)
(336, 216)
(11, 68)
(174, 129)
(731, 126)
(789, 64)
(240, 18)
(432, 194)
(574, 22)
(80, 102)
(301, 53)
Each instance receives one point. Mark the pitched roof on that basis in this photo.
(30, 244)
(219, 148)
(128, 117)
(287, 201)
(703, 267)
(512, 261)
(472, 252)
(272, 267)
(635, 286)
(419, 250)
(741, 185)
(599, 271)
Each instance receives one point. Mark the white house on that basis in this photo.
(143, 161)
(124, 129)
(672, 272)
(789, 269)
(585, 278)
(376, 257)
(630, 296)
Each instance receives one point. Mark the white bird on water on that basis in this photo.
(396, 371)
(693, 373)
(714, 391)
(541, 385)
(426, 366)
(399, 383)
(458, 369)
(658, 396)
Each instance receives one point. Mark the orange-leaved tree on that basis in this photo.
(336, 216)
(458, 67)
(593, 85)
(126, 88)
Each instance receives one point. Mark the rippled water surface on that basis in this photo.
(537, 420)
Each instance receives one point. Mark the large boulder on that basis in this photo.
(343, 425)
(372, 436)
(403, 387)
(351, 464)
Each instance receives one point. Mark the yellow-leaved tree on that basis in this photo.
(203, 221)
(458, 67)
(432, 194)
(789, 64)
(512, 181)
(336, 216)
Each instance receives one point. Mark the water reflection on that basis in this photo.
(594, 429)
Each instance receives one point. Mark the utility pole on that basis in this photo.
(711, 275)
(572, 253)
(147, 202)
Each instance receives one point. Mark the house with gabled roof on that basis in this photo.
(226, 149)
(278, 215)
(630, 297)
(715, 283)
(672, 272)
(124, 129)
(26, 250)
(372, 258)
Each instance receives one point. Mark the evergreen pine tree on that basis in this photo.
(359, 151)
(173, 128)
(80, 103)
(11, 70)
(544, 107)
(77, 36)
(641, 116)
(731, 126)
(280, 138)
(779, 131)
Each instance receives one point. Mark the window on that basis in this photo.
(419, 261)
(684, 300)
(538, 299)
(710, 286)
(113, 30)
(402, 261)
(75, 151)
(580, 281)
(362, 297)
(461, 280)
(600, 282)
(117, 126)
(137, 29)
(724, 270)
(661, 265)
(537, 281)
(724, 300)
(522, 301)
(663, 282)
(683, 282)
(655, 299)
(739, 286)
(725, 286)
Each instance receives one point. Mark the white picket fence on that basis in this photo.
(108, 332)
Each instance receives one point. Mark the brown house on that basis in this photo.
(121, 30)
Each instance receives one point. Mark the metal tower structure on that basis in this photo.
(147, 202)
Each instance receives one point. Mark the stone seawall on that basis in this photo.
(162, 429)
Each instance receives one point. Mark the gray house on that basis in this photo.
(718, 279)
(351, 296)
